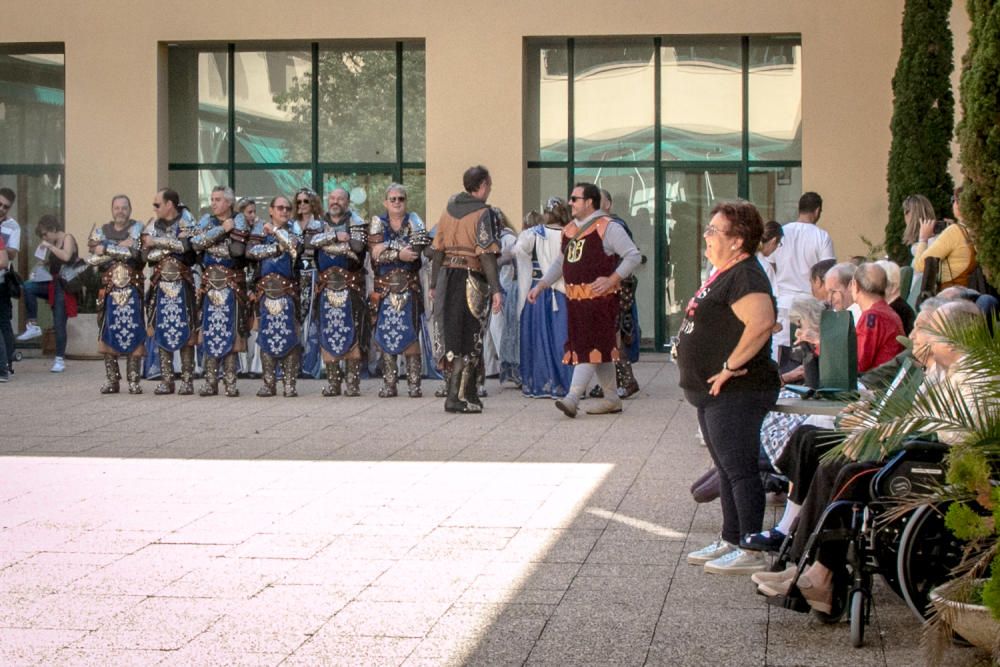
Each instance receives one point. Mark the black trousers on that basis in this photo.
(731, 425)
(800, 458)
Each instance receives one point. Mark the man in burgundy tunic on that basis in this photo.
(597, 255)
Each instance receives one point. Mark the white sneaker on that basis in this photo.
(58, 366)
(30, 331)
(738, 561)
(714, 550)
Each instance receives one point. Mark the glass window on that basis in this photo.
(367, 190)
(357, 103)
(775, 191)
(690, 196)
(273, 106)
(540, 184)
(32, 108)
(195, 187)
(263, 184)
(415, 181)
(701, 97)
(414, 104)
(613, 106)
(198, 105)
(775, 102)
(547, 102)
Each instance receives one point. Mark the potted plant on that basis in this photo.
(969, 604)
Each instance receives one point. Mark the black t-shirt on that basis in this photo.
(905, 313)
(711, 330)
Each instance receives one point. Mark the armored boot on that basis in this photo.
(442, 391)
(627, 385)
(229, 364)
(211, 386)
(469, 386)
(414, 370)
(291, 365)
(353, 377)
(133, 371)
(114, 375)
(334, 377)
(390, 376)
(166, 385)
(268, 365)
(453, 401)
(187, 372)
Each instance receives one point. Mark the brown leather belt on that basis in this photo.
(275, 285)
(397, 280)
(170, 269)
(216, 276)
(336, 278)
(470, 262)
(111, 276)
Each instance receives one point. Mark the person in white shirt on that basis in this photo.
(10, 232)
(802, 245)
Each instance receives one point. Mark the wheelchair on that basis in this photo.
(913, 552)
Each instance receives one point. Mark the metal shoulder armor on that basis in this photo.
(260, 251)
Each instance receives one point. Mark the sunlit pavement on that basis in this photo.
(143, 530)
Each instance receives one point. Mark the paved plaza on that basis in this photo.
(147, 530)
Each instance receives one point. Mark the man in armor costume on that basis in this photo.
(339, 299)
(171, 311)
(597, 254)
(114, 251)
(397, 241)
(225, 315)
(275, 245)
(466, 285)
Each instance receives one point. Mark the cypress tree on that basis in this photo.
(979, 133)
(923, 117)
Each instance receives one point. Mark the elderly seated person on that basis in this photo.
(943, 362)
(892, 297)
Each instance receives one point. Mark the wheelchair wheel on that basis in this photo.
(859, 617)
(927, 553)
(18, 355)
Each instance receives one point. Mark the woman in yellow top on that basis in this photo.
(953, 247)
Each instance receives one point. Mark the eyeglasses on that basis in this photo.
(281, 207)
(712, 230)
(396, 200)
(573, 198)
(302, 201)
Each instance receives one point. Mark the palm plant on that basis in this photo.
(966, 414)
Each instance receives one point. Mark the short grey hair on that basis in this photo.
(891, 274)
(843, 272)
(227, 192)
(808, 311)
(871, 279)
(395, 187)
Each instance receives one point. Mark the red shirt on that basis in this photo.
(877, 331)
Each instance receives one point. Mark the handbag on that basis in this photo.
(72, 275)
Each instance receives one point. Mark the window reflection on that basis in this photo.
(198, 106)
(357, 117)
(702, 101)
(775, 191)
(367, 190)
(613, 107)
(547, 123)
(775, 102)
(273, 106)
(32, 108)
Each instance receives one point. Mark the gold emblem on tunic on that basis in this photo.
(397, 301)
(171, 289)
(121, 296)
(120, 276)
(336, 299)
(574, 250)
(217, 297)
(274, 306)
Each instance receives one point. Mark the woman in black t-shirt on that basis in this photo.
(726, 372)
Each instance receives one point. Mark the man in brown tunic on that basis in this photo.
(466, 284)
(597, 254)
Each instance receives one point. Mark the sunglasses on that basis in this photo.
(573, 198)
(155, 205)
(395, 200)
(282, 207)
(302, 201)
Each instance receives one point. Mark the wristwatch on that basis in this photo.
(725, 367)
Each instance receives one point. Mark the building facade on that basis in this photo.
(672, 105)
